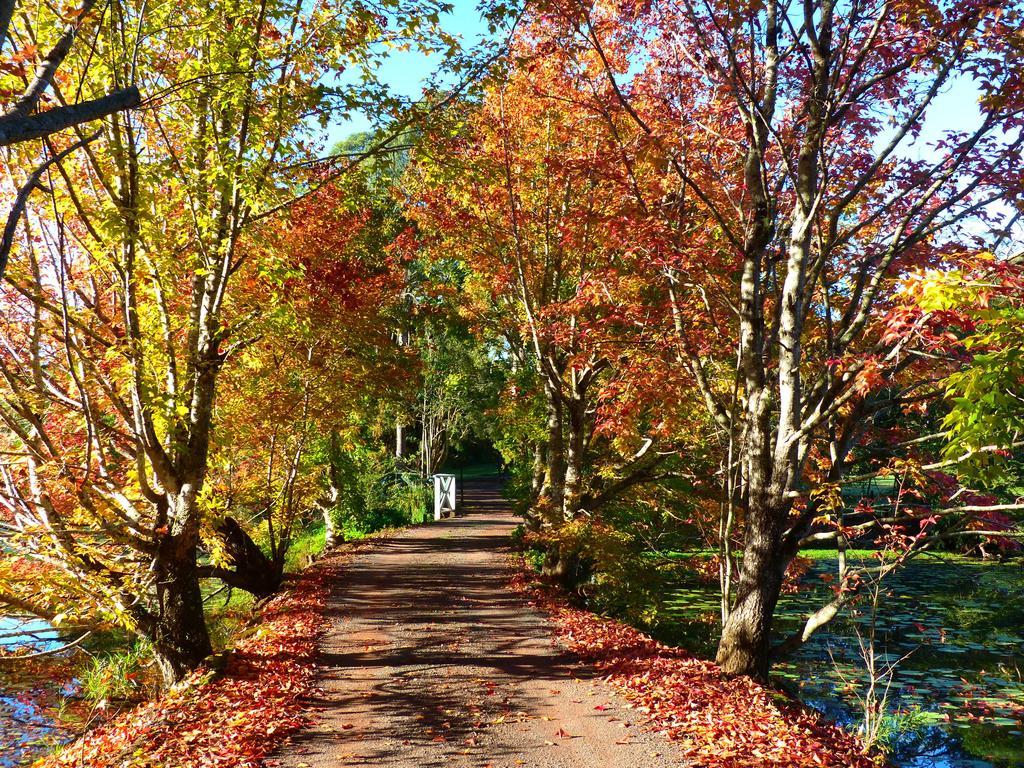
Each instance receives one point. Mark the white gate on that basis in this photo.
(444, 496)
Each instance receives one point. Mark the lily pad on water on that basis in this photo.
(951, 615)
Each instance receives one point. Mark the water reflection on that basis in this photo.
(960, 690)
(34, 633)
(25, 720)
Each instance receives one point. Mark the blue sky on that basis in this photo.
(406, 72)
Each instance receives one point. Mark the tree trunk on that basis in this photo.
(567, 568)
(179, 635)
(552, 492)
(332, 536)
(438, 450)
(537, 476)
(329, 503)
(745, 644)
(251, 569)
(575, 448)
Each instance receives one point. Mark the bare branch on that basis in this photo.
(16, 128)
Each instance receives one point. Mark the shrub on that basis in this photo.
(616, 575)
(373, 495)
(411, 498)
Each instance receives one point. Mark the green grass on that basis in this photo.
(854, 555)
(120, 676)
(874, 488)
(823, 554)
(227, 613)
(308, 542)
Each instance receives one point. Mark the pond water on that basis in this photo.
(27, 725)
(959, 694)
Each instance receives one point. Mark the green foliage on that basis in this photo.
(518, 537)
(460, 379)
(370, 498)
(521, 542)
(985, 409)
(521, 415)
(228, 611)
(307, 543)
(412, 499)
(622, 579)
(904, 724)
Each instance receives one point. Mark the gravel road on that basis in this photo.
(431, 661)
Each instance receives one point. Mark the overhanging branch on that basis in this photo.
(17, 128)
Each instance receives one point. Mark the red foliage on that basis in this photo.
(718, 722)
(235, 719)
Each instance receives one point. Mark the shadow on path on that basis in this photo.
(431, 661)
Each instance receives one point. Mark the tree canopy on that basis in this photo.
(702, 273)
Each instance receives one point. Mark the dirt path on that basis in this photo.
(430, 661)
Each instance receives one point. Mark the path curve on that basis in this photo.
(430, 661)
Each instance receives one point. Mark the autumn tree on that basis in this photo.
(806, 168)
(529, 196)
(119, 311)
(323, 368)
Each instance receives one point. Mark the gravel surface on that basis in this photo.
(431, 661)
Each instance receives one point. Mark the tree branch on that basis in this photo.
(15, 128)
(22, 199)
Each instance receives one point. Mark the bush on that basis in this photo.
(411, 498)
(375, 496)
(618, 576)
(373, 520)
(518, 537)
